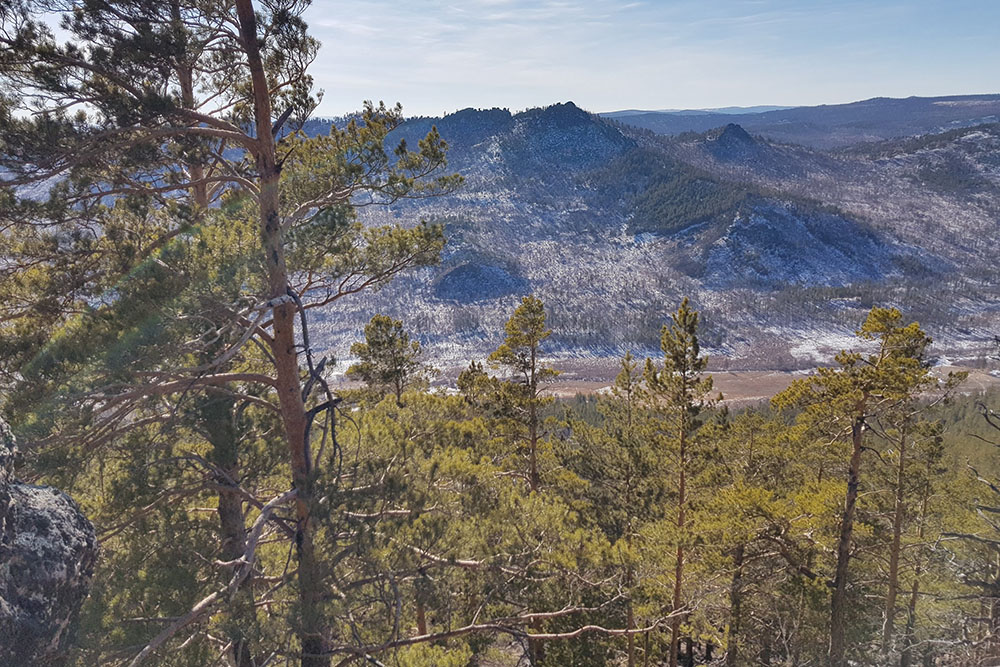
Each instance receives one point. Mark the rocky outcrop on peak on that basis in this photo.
(47, 554)
(732, 139)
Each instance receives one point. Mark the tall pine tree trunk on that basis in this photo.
(217, 416)
(421, 617)
(906, 655)
(241, 609)
(888, 628)
(675, 624)
(420, 594)
(185, 78)
(629, 611)
(288, 382)
(535, 648)
(533, 477)
(735, 607)
(630, 625)
(838, 602)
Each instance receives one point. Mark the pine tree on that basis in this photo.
(681, 391)
(161, 124)
(629, 478)
(843, 402)
(519, 355)
(388, 359)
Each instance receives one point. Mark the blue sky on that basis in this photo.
(436, 56)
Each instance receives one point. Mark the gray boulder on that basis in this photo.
(47, 554)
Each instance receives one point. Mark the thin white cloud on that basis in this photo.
(436, 55)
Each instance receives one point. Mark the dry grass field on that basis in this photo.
(588, 376)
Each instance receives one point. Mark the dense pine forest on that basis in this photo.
(168, 235)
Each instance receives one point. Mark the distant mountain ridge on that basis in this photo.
(779, 245)
(624, 113)
(835, 125)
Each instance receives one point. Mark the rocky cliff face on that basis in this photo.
(47, 554)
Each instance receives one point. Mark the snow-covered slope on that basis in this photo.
(611, 226)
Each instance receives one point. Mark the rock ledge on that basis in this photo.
(47, 554)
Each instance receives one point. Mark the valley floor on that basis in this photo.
(589, 376)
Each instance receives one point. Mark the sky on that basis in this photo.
(438, 56)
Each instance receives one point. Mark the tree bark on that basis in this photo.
(906, 655)
(888, 628)
(735, 608)
(535, 647)
(630, 624)
(838, 602)
(289, 387)
(533, 423)
(629, 572)
(217, 415)
(185, 78)
(675, 624)
(421, 617)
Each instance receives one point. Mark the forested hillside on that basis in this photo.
(188, 261)
(776, 243)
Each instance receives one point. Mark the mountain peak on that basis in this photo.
(732, 142)
(561, 113)
(470, 113)
(734, 135)
(567, 106)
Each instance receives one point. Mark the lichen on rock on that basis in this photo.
(47, 554)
